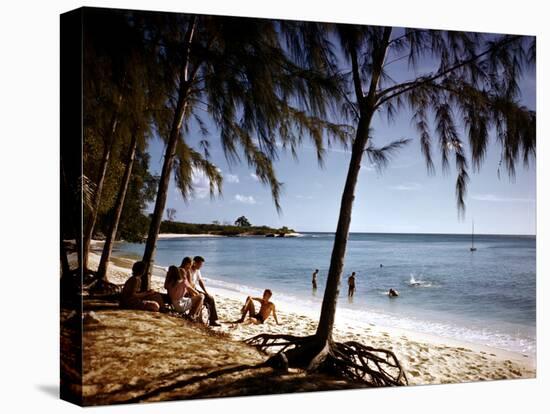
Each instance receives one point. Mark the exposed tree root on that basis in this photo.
(101, 287)
(350, 360)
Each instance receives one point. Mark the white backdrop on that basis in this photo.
(29, 144)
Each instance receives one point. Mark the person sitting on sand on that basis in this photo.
(132, 298)
(196, 278)
(351, 285)
(314, 279)
(266, 309)
(392, 293)
(183, 297)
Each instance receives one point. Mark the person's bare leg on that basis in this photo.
(251, 307)
(150, 305)
(196, 305)
(248, 308)
(154, 297)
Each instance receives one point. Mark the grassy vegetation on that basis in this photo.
(221, 229)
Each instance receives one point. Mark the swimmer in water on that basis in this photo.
(393, 293)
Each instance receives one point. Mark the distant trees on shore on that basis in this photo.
(220, 229)
(242, 222)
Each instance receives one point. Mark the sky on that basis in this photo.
(403, 198)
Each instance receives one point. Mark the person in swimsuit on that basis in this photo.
(184, 298)
(132, 298)
(314, 279)
(351, 285)
(266, 309)
(392, 293)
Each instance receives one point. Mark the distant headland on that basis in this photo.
(242, 227)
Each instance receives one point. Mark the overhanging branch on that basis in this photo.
(407, 86)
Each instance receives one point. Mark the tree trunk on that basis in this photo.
(90, 225)
(330, 298)
(319, 352)
(367, 106)
(169, 155)
(117, 211)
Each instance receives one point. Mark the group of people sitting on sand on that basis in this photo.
(187, 295)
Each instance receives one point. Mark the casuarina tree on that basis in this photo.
(235, 73)
(109, 43)
(468, 79)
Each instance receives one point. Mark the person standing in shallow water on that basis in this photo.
(351, 285)
(314, 279)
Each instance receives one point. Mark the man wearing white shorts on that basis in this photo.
(183, 305)
(179, 290)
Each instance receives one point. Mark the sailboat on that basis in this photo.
(473, 249)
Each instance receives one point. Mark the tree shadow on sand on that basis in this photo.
(238, 380)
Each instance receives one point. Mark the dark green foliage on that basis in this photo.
(218, 229)
(476, 82)
(134, 223)
(242, 222)
(119, 98)
(242, 80)
(234, 72)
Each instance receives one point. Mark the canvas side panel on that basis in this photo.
(71, 46)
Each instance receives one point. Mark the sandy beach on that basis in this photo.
(427, 359)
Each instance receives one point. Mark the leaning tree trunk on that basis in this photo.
(90, 225)
(351, 360)
(117, 211)
(169, 155)
(330, 298)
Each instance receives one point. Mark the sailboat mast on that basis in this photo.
(472, 234)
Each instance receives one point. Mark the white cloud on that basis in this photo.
(231, 178)
(369, 167)
(245, 199)
(499, 199)
(406, 187)
(200, 183)
(254, 177)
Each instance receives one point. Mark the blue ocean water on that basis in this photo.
(486, 297)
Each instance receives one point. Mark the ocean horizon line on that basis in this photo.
(421, 233)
